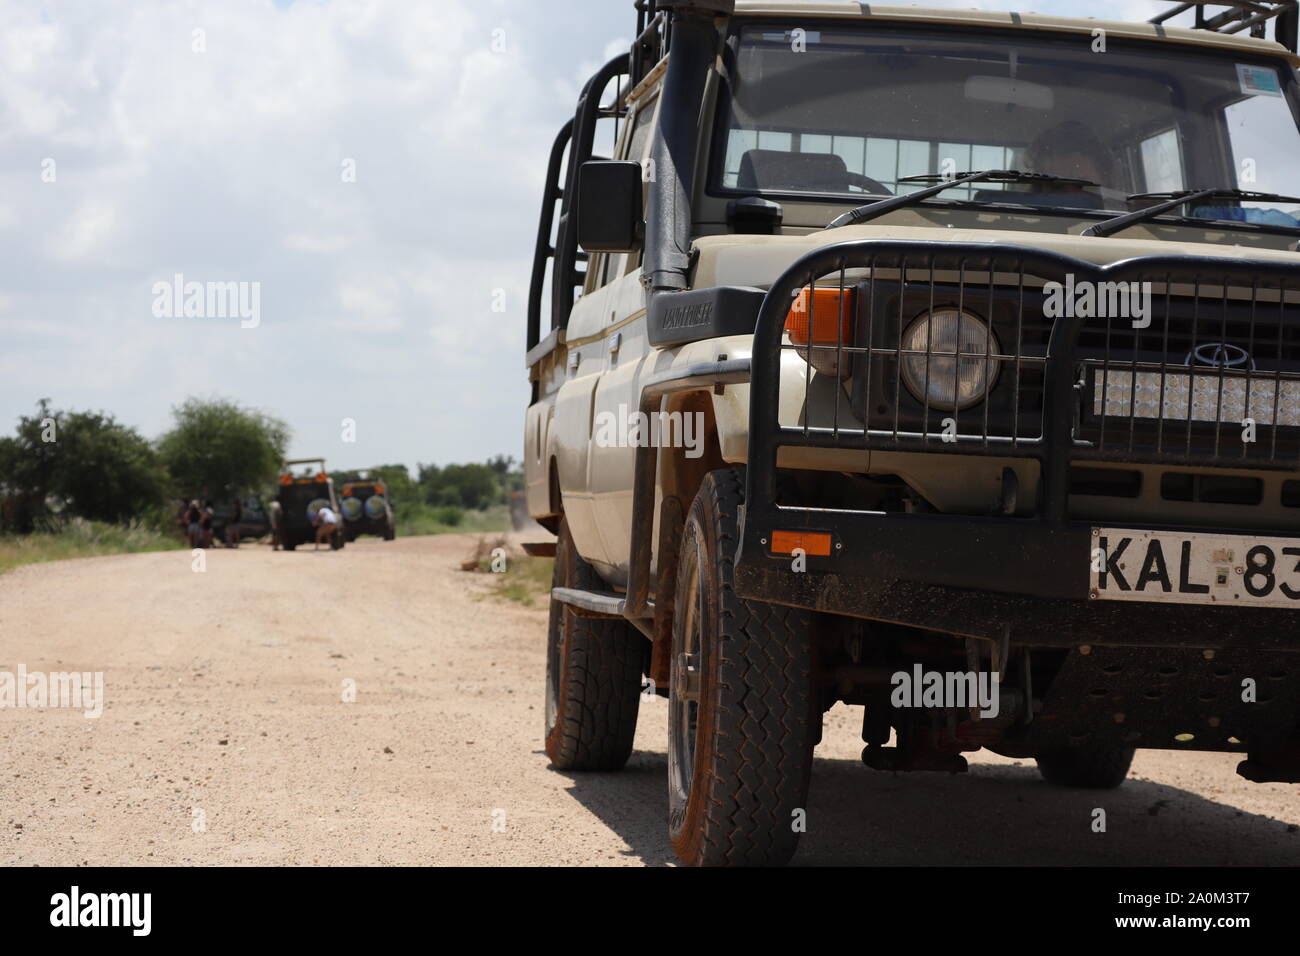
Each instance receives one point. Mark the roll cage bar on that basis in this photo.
(1241, 15)
(654, 36)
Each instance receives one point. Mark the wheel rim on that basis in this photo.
(684, 704)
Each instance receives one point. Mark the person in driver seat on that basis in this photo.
(1070, 149)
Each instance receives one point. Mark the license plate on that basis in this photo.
(1179, 568)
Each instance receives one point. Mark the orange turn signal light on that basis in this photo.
(816, 544)
(286, 479)
(829, 312)
(379, 487)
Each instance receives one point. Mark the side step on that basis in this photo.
(539, 549)
(591, 603)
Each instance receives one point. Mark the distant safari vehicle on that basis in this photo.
(300, 497)
(253, 519)
(367, 510)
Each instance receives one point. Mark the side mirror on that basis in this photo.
(609, 206)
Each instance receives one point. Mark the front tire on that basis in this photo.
(593, 675)
(1093, 767)
(742, 717)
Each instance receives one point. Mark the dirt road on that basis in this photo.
(226, 739)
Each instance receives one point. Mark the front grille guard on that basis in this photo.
(1260, 285)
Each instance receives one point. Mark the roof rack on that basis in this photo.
(654, 29)
(654, 34)
(1242, 15)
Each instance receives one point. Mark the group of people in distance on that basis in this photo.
(196, 521)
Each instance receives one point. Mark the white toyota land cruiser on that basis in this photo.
(941, 362)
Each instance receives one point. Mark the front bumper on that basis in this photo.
(360, 526)
(990, 577)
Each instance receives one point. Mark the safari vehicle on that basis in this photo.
(253, 521)
(300, 497)
(367, 510)
(988, 328)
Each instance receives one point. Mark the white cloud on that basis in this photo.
(226, 165)
(90, 228)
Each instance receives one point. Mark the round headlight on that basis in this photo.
(351, 508)
(959, 375)
(375, 506)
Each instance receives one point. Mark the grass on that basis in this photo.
(525, 580)
(81, 539)
(417, 519)
(88, 539)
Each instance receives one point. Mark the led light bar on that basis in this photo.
(1210, 392)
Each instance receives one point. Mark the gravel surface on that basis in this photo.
(226, 739)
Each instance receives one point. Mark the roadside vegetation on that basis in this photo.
(527, 580)
(515, 576)
(418, 518)
(81, 484)
(81, 539)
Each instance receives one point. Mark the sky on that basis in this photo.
(368, 171)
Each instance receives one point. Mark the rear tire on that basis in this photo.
(1093, 767)
(593, 675)
(740, 753)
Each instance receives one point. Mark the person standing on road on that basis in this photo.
(232, 525)
(193, 526)
(326, 522)
(205, 523)
(275, 514)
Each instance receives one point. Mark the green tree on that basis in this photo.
(218, 449)
(398, 480)
(340, 478)
(510, 474)
(396, 477)
(472, 486)
(100, 469)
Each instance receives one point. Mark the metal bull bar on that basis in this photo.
(887, 565)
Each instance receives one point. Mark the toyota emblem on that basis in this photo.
(1220, 355)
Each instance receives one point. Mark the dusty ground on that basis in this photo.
(224, 696)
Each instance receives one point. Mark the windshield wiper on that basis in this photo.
(881, 206)
(1173, 200)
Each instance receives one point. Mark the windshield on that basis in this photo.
(843, 110)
